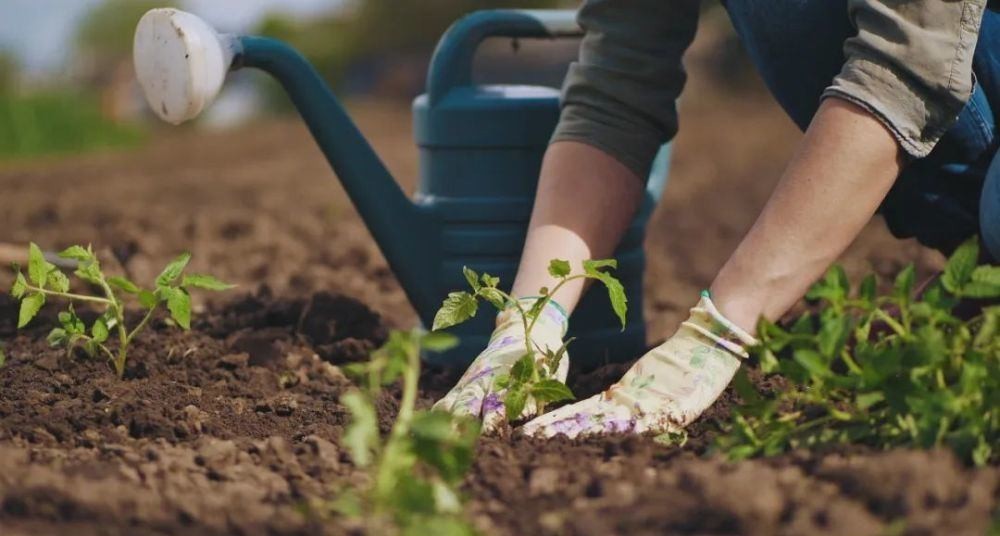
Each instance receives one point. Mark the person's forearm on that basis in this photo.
(584, 204)
(843, 168)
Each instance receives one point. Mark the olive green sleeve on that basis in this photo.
(910, 65)
(620, 95)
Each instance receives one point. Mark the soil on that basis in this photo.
(233, 426)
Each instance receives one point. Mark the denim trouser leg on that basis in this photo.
(797, 46)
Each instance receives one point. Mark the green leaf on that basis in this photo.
(77, 253)
(472, 277)
(3, 357)
(445, 442)
(867, 289)
(616, 292)
(559, 268)
(124, 284)
(501, 382)
(57, 337)
(832, 288)
(903, 286)
(551, 391)
(38, 269)
(437, 341)
(457, 308)
(148, 299)
(361, 436)
(744, 387)
(522, 370)
(494, 296)
(812, 362)
(205, 282)
(984, 283)
(57, 280)
(489, 280)
(960, 265)
(99, 331)
(20, 286)
(514, 402)
(90, 271)
(179, 305)
(173, 270)
(30, 306)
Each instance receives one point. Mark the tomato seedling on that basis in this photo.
(533, 375)
(884, 371)
(415, 471)
(45, 280)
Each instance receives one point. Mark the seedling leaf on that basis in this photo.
(551, 391)
(29, 308)
(173, 270)
(205, 282)
(362, 434)
(38, 270)
(123, 284)
(3, 357)
(960, 265)
(99, 331)
(514, 402)
(77, 253)
(559, 268)
(57, 280)
(179, 305)
(20, 286)
(472, 277)
(521, 371)
(438, 341)
(457, 308)
(148, 299)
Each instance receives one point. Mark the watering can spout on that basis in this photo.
(181, 62)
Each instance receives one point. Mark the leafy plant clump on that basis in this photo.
(414, 473)
(881, 371)
(45, 280)
(533, 375)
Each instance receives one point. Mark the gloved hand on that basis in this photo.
(666, 389)
(476, 394)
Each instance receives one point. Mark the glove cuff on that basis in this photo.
(707, 320)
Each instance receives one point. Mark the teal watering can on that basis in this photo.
(481, 149)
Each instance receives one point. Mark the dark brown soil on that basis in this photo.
(231, 427)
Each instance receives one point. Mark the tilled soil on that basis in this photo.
(234, 426)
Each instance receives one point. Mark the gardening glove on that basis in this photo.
(666, 389)
(475, 393)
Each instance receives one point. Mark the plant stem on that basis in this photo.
(70, 296)
(386, 476)
(141, 325)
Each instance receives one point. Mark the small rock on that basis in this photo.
(544, 480)
(49, 363)
(285, 406)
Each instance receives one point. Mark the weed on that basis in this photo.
(415, 472)
(531, 376)
(882, 371)
(45, 280)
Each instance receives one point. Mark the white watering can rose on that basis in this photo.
(180, 62)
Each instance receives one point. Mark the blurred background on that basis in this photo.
(245, 189)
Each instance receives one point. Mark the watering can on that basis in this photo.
(481, 149)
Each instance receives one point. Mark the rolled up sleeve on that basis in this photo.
(910, 65)
(620, 95)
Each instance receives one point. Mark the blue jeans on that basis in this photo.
(942, 199)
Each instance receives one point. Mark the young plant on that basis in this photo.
(109, 334)
(416, 470)
(882, 371)
(534, 373)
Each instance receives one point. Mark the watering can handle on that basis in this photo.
(451, 65)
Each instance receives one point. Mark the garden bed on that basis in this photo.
(235, 426)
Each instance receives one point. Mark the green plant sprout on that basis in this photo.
(415, 472)
(530, 375)
(882, 371)
(45, 280)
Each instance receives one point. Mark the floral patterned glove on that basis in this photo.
(475, 393)
(666, 389)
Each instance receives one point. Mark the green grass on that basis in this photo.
(58, 122)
